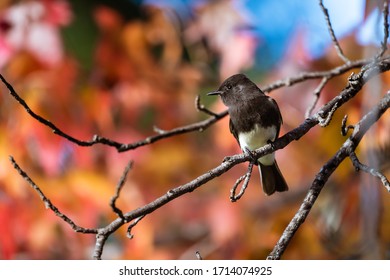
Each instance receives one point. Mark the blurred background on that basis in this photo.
(119, 68)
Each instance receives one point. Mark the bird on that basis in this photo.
(255, 121)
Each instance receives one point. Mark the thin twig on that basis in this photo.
(324, 121)
(200, 107)
(133, 224)
(40, 119)
(119, 187)
(316, 95)
(385, 13)
(246, 176)
(47, 202)
(344, 127)
(360, 166)
(332, 34)
(305, 76)
(198, 256)
(159, 130)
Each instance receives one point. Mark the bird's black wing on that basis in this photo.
(280, 119)
(233, 131)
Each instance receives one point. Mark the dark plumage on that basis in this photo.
(255, 120)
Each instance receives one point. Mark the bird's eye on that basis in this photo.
(229, 86)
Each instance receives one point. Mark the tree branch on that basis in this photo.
(316, 95)
(305, 76)
(133, 224)
(201, 108)
(199, 126)
(332, 34)
(344, 127)
(246, 177)
(385, 13)
(360, 166)
(118, 190)
(47, 202)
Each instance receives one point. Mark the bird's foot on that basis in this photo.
(252, 156)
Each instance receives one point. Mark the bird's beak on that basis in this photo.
(217, 92)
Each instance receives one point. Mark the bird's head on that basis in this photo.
(236, 88)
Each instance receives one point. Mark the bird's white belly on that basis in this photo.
(257, 138)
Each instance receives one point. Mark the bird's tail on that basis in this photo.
(272, 179)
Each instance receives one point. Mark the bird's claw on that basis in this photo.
(252, 156)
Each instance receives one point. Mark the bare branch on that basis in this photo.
(246, 176)
(158, 130)
(344, 127)
(332, 34)
(385, 13)
(200, 107)
(360, 166)
(324, 121)
(305, 76)
(316, 95)
(101, 239)
(48, 123)
(133, 224)
(118, 190)
(199, 126)
(47, 202)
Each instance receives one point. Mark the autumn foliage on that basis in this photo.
(121, 71)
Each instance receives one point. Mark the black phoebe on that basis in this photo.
(255, 121)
